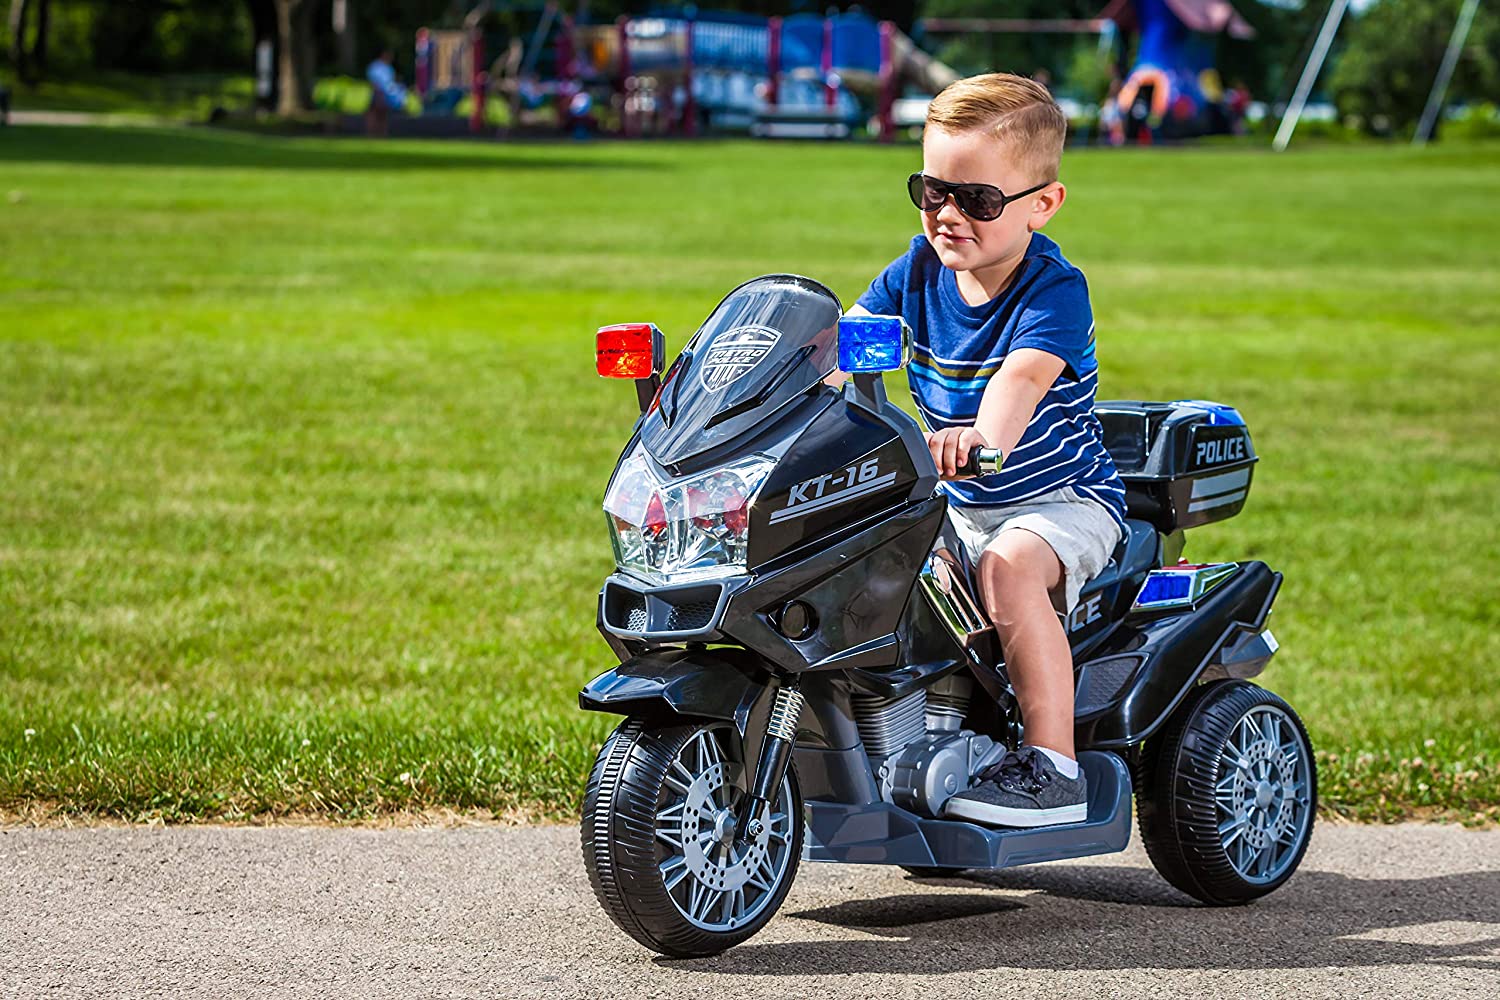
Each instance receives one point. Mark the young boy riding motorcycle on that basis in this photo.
(1003, 357)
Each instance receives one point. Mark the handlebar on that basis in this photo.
(981, 462)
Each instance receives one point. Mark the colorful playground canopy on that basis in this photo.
(1209, 17)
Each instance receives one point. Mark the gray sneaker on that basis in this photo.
(1022, 789)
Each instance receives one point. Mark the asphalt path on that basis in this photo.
(507, 912)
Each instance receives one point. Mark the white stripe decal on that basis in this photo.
(1213, 502)
(1210, 485)
(829, 499)
(966, 363)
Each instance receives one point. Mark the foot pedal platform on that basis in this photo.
(884, 834)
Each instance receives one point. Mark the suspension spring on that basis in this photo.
(785, 712)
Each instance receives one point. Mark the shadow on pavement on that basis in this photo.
(205, 147)
(1106, 918)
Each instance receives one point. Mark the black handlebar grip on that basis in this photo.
(971, 464)
(981, 462)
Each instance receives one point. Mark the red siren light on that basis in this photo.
(629, 350)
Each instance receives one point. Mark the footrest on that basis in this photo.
(884, 834)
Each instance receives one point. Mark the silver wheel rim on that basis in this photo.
(715, 885)
(1263, 793)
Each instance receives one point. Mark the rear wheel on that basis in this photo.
(1227, 810)
(660, 845)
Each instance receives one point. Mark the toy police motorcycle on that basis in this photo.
(807, 673)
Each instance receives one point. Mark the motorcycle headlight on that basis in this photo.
(679, 530)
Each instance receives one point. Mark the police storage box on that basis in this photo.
(1184, 463)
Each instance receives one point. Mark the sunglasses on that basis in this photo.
(980, 202)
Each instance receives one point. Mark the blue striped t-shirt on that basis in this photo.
(956, 347)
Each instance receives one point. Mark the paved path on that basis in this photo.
(78, 118)
(489, 912)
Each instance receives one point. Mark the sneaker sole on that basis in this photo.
(979, 812)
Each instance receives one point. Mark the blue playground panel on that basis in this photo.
(731, 52)
(729, 41)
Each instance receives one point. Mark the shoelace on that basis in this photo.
(1018, 771)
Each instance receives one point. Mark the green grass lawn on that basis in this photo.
(180, 97)
(301, 449)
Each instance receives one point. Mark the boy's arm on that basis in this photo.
(1009, 402)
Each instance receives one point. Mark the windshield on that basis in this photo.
(768, 342)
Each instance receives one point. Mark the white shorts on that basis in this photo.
(1080, 531)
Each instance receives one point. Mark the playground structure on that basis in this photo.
(683, 72)
(676, 72)
(1173, 76)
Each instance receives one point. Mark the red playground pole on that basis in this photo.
(689, 109)
(627, 124)
(476, 53)
(773, 62)
(887, 81)
(830, 89)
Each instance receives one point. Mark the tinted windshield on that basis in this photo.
(769, 341)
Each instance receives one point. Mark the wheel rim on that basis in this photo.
(1263, 792)
(715, 885)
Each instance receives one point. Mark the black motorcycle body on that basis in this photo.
(856, 612)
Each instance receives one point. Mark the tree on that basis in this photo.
(1014, 52)
(296, 55)
(343, 33)
(30, 60)
(1391, 55)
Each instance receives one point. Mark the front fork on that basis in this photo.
(776, 754)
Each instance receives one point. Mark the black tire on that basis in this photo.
(624, 848)
(1183, 800)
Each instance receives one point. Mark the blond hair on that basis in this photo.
(1012, 109)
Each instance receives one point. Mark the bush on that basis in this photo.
(1391, 56)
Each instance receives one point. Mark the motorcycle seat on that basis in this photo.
(1136, 554)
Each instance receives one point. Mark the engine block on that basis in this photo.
(917, 745)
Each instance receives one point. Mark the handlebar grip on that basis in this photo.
(981, 462)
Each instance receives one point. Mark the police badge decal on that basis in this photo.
(734, 353)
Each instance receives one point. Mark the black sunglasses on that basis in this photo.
(980, 202)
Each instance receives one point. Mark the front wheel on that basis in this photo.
(1227, 811)
(660, 844)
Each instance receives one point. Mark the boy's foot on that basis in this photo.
(1022, 789)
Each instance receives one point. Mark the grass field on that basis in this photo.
(178, 97)
(301, 450)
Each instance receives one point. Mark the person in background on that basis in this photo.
(386, 93)
(1238, 101)
(1111, 120)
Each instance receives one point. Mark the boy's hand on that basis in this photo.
(950, 448)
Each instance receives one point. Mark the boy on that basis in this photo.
(1003, 340)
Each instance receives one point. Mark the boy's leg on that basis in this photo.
(1017, 572)
(1029, 788)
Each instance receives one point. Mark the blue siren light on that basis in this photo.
(873, 344)
(1165, 589)
(1178, 587)
(1219, 414)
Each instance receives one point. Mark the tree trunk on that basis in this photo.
(295, 56)
(39, 41)
(343, 31)
(19, 15)
(307, 50)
